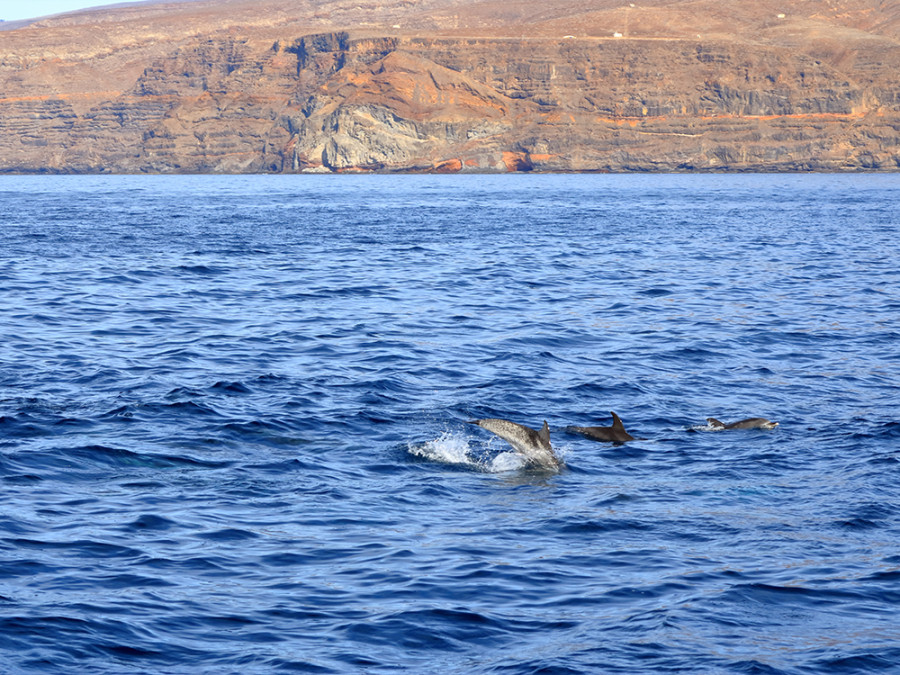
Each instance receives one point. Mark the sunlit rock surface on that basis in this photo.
(454, 85)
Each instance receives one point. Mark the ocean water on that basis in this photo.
(234, 439)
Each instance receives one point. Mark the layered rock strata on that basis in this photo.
(242, 100)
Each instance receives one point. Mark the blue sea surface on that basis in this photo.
(234, 439)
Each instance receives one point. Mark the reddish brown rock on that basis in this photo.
(448, 166)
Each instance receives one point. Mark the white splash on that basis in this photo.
(506, 461)
(453, 448)
(706, 427)
(448, 448)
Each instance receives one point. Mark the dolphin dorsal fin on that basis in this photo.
(617, 423)
(544, 434)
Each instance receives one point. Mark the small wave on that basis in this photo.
(597, 525)
(229, 534)
(204, 270)
(87, 548)
(231, 387)
(84, 462)
(432, 629)
(453, 448)
(150, 521)
(888, 431)
(273, 430)
(655, 292)
(21, 426)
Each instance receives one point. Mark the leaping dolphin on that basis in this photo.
(749, 423)
(615, 434)
(533, 446)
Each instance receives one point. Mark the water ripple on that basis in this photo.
(233, 424)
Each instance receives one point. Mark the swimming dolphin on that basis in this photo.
(615, 434)
(749, 423)
(533, 446)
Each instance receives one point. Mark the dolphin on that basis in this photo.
(533, 446)
(615, 434)
(749, 423)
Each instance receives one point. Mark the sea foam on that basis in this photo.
(455, 448)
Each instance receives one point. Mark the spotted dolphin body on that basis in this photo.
(614, 434)
(749, 423)
(533, 446)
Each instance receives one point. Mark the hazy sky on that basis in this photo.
(10, 10)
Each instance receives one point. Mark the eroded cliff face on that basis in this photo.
(818, 92)
(585, 104)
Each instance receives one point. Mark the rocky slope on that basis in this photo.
(454, 85)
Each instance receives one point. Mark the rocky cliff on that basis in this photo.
(455, 85)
